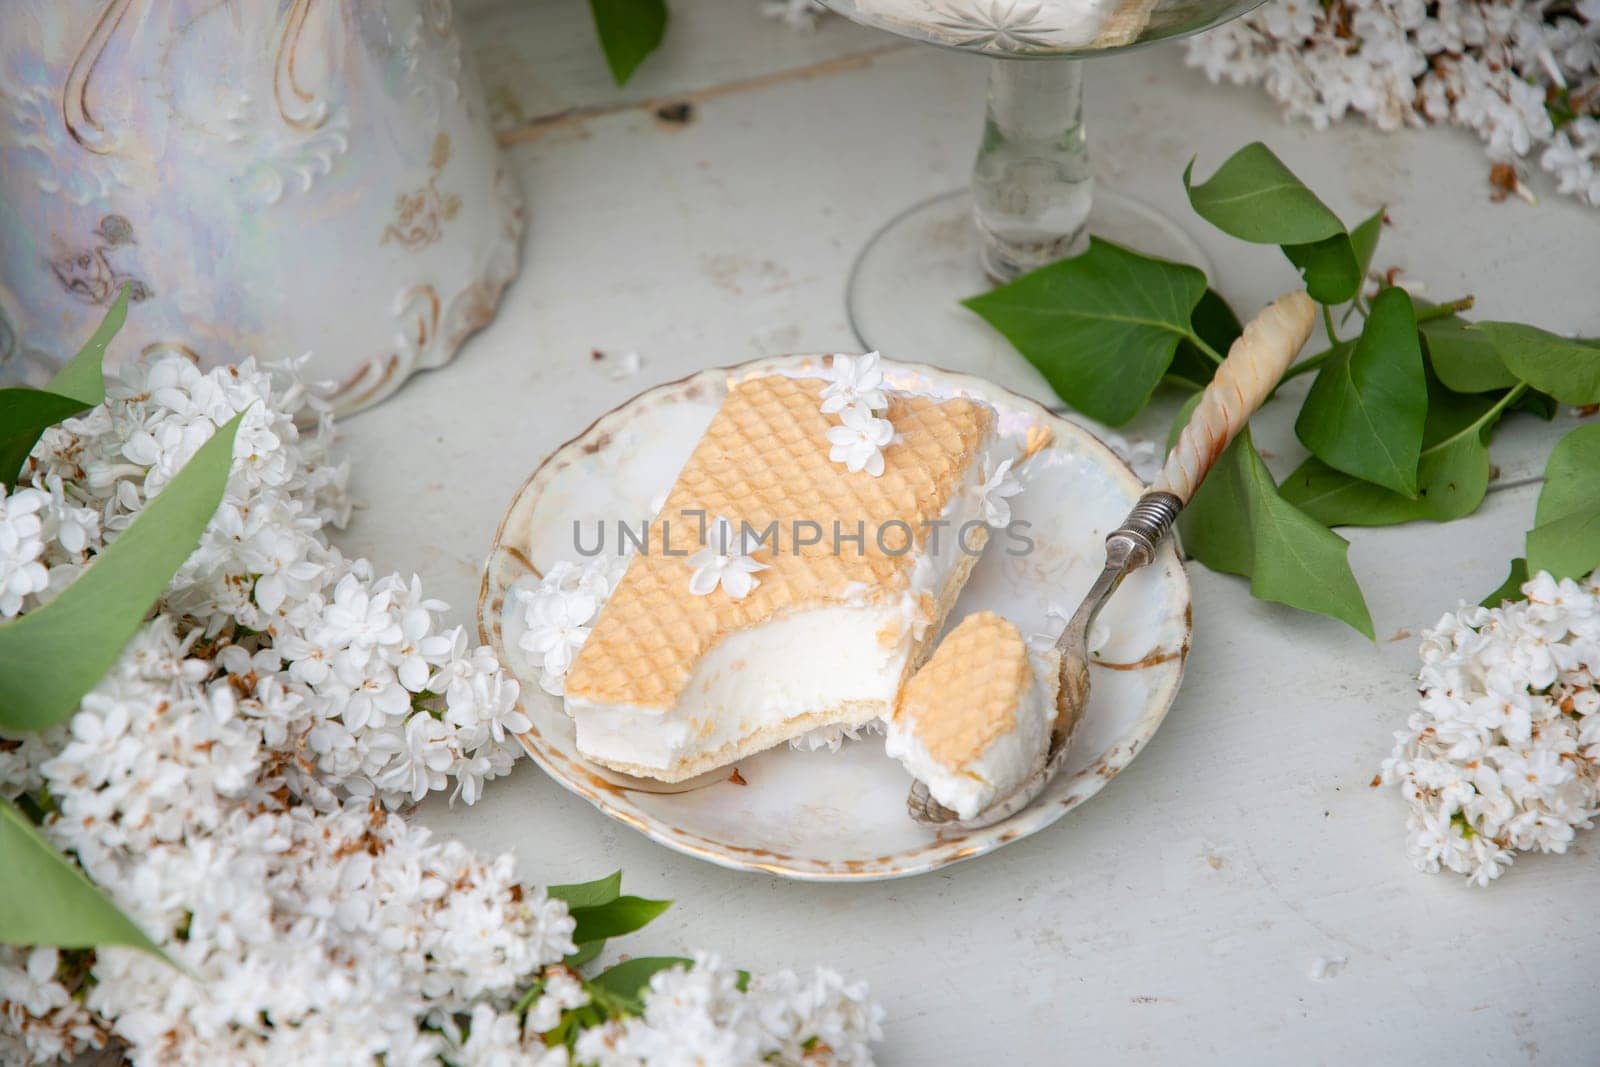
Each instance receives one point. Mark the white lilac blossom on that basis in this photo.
(558, 625)
(796, 14)
(833, 737)
(562, 991)
(1503, 754)
(1140, 455)
(996, 492)
(855, 393)
(854, 380)
(724, 561)
(306, 933)
(40, 1019)
(859, 441)
(328, 664)
(697, 1015)
(22, 575)
(1523, 76)
(229, 782)
(557, 611)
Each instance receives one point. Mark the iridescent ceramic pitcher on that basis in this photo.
(269, 176)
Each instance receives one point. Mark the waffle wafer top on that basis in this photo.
(764, 459)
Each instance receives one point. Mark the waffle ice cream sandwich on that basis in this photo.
(975, 721)
(856, 574)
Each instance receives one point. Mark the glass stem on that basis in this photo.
(1032, 187)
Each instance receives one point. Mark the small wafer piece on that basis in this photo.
(975, 720)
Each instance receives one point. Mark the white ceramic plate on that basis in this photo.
(841, 815)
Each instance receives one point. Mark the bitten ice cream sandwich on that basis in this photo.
(975, 721)
(868, 506)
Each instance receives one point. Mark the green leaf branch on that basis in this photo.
(602, 912)
(1565, 539)
(1102, 327)
(26, 413)
(52, 656)
(46, 900)
(1397, 420)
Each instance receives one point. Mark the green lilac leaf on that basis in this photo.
(1536, 403)
(1568, 547)
(45, 899)
(1451, 484)
(1511, 588)
(586, 952)
(1214, 323)
(1255, 198)
(1566, 368)
(1364, 241)
(83, 377)
(52, 656)
(25, 414)
(1216, 525)
(1334, 498)
(1565, 539)
(629, 30)
(1366, 410)
(1329, 267)
(629, 978)
(621, 916)
(1101, 327)
(1452, 473)
(587, 894)
(1463, 357)
(1238, 523)
(1571, 476)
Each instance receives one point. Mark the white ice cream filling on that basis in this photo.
(753, 681)
(998, 768)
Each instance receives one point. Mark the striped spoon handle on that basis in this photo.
(1254, 366)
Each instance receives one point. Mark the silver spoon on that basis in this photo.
(1253, 367)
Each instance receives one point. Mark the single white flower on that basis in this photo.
(859, 442)
(421, 758)
(558, 625)
(996, 491)
(799, 15)
(487, 702)
(21, 544)
(360, 619)
(854, 380)
(562, 992)
(724, 562)
(76, 529)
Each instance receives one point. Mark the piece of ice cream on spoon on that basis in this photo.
(975, 721)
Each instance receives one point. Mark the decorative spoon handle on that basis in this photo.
(1254, 365)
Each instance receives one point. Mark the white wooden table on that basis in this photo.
(1177, 917)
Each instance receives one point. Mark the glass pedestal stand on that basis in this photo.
(1032, 201)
